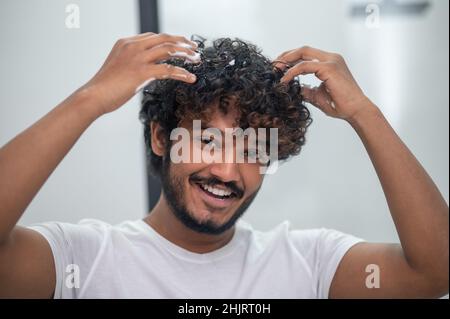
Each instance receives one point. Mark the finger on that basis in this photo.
(157, 39)
(137, 37)
(319, 97)
(283, 54)
(305, 67)
(306, 54)
(142, 35)
(168, 71)
(279, 62)
(168, 50)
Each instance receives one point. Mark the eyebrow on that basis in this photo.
(206, 126)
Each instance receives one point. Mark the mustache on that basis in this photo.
(212, 181)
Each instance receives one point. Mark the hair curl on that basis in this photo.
(228, 68)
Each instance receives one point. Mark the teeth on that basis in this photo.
(216, 191)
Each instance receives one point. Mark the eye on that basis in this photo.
(210, 142)
(256, 156)
(207, 140)
(249, 155)
(253, 154)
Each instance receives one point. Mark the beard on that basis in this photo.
(172, 187)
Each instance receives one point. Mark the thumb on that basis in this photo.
(319, 97)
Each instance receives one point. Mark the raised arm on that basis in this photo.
(26, 263)
(419, 266)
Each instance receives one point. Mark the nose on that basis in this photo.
(226, 172)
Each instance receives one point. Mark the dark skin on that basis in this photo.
(245, 175)
(418, 267)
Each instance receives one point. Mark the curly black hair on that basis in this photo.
(228, 68)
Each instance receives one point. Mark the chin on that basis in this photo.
(208, 206)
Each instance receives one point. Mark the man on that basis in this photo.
(191, 245)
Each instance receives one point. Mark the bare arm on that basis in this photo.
(419, 266)
(28, 160)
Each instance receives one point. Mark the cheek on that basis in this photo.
(251, 177)
(183, 172)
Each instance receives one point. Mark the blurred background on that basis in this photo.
(397, 50)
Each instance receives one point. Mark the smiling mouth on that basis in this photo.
(222, 194)
(215, 199)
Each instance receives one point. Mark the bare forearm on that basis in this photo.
(28, 160)
(418, 209)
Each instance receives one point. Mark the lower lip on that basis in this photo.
(212, 201)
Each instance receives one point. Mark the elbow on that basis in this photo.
(440, 288)
(433, 277)
(442, 283)
(437, 281)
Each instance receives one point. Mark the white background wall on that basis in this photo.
(402, 66)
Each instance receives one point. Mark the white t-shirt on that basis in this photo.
(131, 260)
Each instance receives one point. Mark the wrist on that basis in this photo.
(366, 112)
(88, 102)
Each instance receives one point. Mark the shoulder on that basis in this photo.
(285, 232)
(310, 243)
(279, 235)
(315, 251)
(88, 235)
(81, 247)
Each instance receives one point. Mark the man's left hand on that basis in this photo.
(338, 95)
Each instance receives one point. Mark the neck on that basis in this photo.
(163, 221)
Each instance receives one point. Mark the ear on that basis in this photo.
(157, 139)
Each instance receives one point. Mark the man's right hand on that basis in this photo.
(134, 62)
